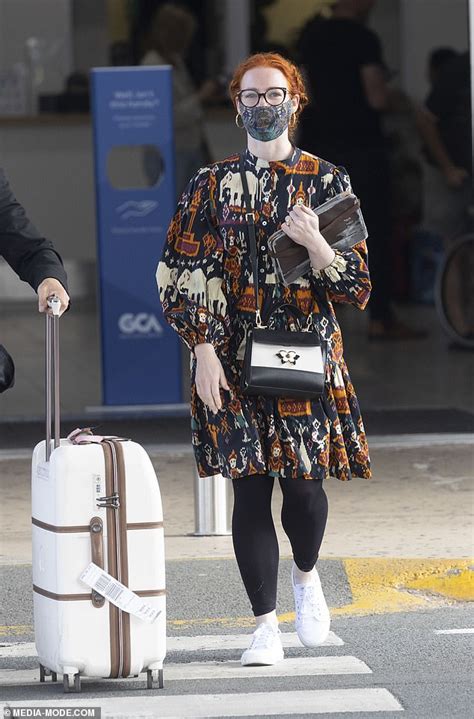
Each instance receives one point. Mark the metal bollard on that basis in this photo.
(213, 499)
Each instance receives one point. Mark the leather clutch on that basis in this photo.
(340, 222)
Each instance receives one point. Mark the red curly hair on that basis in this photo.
(291, 72)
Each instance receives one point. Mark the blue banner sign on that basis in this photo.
(135, 198)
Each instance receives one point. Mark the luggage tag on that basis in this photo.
(42, 470)
(118, 594)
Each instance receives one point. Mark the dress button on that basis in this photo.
(263, 247)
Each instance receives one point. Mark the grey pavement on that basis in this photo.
(426, 675)
(400, 541)
(418, 504)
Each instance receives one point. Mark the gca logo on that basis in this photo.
(140, 324)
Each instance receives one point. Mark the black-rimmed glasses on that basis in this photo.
(273, 96)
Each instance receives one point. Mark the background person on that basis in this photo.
(205, 283)
(347, 77)
(170, 37)
(30, 255)
(446, 129)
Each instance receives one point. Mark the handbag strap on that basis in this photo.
(250, 219)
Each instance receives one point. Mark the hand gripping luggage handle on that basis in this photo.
(52, 373)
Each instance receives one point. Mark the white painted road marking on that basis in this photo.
(454, 631)
(296, 667)
(199, 706)
(237, 641)
(210, 642)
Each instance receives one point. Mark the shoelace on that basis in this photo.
(261, 635)
(308, 602)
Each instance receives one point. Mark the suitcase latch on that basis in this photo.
(113, 500)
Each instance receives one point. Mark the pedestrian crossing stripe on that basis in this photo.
(231, 669)
(200, 642)
(255, 704)
(311, 702)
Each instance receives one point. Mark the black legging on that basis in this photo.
(303, 515)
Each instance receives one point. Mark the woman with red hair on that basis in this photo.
(207, 295)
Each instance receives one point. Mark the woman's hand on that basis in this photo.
(51, 286)
(209, 376)
(302, 226)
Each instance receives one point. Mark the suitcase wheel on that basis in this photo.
(152, 675)
(45, 672)
(72, 683)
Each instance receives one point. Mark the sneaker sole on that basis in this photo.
(260, 663)
(312, 645)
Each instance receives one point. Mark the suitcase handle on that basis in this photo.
(96, 529)
(52, 373)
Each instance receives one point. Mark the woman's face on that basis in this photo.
(265, 118)
(261, 79)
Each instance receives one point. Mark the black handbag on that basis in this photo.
(7, 370)
(279, 363)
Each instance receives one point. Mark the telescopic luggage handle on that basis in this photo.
(52, 373)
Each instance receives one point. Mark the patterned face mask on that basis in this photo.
(268, 122)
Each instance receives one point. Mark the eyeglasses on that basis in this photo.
(273, 96)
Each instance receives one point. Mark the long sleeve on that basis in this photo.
(189, 275)
(346, 278)
(31, 256)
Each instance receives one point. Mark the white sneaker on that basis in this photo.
(312, 614)
(265, 647)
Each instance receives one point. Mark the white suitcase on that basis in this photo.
(96, 503)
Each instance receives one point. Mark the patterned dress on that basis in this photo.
(204, 280)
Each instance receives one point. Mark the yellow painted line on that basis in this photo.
(6, 630)
(454, 582)
(229, 622)
(383, 584)
(378, 585)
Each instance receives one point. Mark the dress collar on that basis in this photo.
(289, 161)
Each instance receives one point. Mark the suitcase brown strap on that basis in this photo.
(96, 529)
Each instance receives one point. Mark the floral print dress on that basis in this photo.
(205, 283)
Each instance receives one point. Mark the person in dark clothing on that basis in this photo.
(30, 255)
(448, 106)
(347, 78)
(445, 127)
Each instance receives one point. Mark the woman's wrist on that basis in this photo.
(320, 253)
(203, 348)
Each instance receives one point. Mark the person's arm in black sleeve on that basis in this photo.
(30, 255)
(373, 72)
(438, 107)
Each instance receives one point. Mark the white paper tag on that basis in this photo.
(42, 470)
(98, 490)
(118, 594)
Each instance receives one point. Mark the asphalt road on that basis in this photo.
(390, 664)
